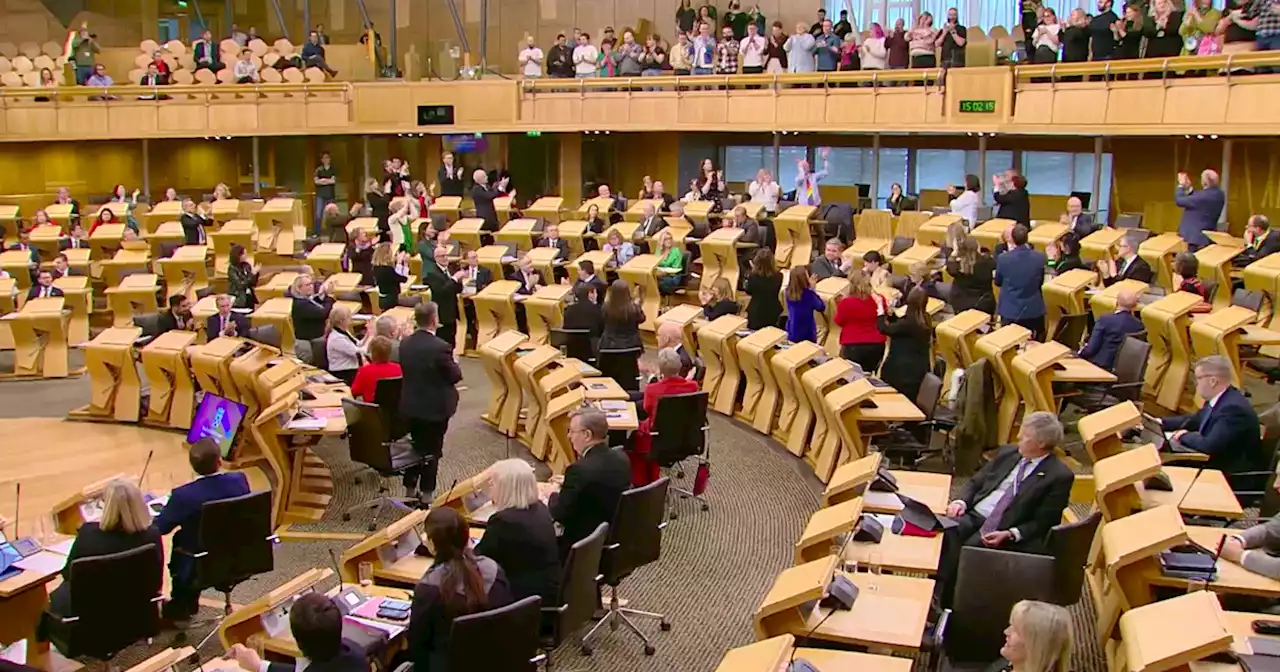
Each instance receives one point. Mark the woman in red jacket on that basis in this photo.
(856, 315)
(643, 470)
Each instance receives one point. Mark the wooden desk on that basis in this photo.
(40, 339)
(1100, 244)
(875, 233)
(115, 264)
(18, 264)
(1169, 364)
(8, 304)
(233, 232)
(825, 448)
(1101, 430)
(1216, 266)
(788, 365)
(520, 234)
(851, 479)
(280, 224)
(135, 295)
(853, 403)
(922, 254)
(1210, 494)
(164, 211)
(1232, 578)
(168, 234)
(387, 547)
(116, 389)
(1000, 347)
(278, 312)
(1103, 302)
(898, 553)
(720, 258)
(549, 208)
(544, 311)
(754, 355)
(1064, 295)
(173, 391)
(641, 273)
(325, 259)
(772, 655)
(1263, 276)
(1047, 233)
(495, 310)
(831, 290)
(991, 232)
(79, 298)
(1171, 633)
(532, 368)
(956, 338)
(499, 354)
(933, 231)
(47, 239)
(448, 206)
(718, 347)
(23, 598)
(1159, 251)
(1222, 332)
(821, 535)
(689, 317)
(186, 271)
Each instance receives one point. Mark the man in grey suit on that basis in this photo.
(1257, 549)
(1200, 209)
(830, 264)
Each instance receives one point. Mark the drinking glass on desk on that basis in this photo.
(364, 573)
(874, 558)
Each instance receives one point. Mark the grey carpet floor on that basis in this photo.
(716, 565)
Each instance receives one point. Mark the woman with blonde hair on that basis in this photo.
(221, 192)
(390, 271)
(671, 263)
(521, 535)
(344, 352)
(1038, 639)
(124, 526)
(718, 301)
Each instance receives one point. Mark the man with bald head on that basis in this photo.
(1111, 330)
(652, 222)
(1200, 209)
(445, 287)
(1080, 221)
(482, 195)
(671, 335)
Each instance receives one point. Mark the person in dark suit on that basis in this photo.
(1110, 331)
(530, 280)
(183, 513)
(972, 271)
(192, 224)
(831, 264)
(178, 317)
(429, 398)
(1013, 501)
(591, 487)
(1081, 222)
(474, 279)
(310, 309)
(316, 625)
(1259, 241)
(1200, 209)
(124, 526)
(909, 340)
(551, 238)
(450, 177)
(584, 312)
(62, 267)
(76, 239)
(207, 53)
(43, 288)
(1225, 428)
(225, 322)
(1011, 195)
(1126, 266)
(1020, 275)
(764, 284)
(445, 287)
(651, 224)
(521, 536)
(482, 196)
(587, 276)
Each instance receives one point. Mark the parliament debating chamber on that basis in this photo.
(780, 336)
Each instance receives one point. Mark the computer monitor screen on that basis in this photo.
(217, 418)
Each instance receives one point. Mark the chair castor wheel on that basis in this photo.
(584, 650)
(679, 474)
(665, 626)
(357, 480)
(673, 515)
(346, 517)
(706, 507)
(650, 649)
(373, 527)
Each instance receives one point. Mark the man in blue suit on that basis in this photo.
(1200, 209)
(182, 513)
(1111, 330)
(1019, 275)
(1226, 428)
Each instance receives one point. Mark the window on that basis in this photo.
(742, 163)
(1060, 173)
(998, 161)
(847, 166)
(936, 168)
(893, 168)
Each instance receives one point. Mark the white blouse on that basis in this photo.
(966, 205)
(764, 194)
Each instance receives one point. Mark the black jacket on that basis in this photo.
(451, 184)
(167, 321)
(309, 315)
(1138, 269)
(349, 659)
(192, 229)
(523, 543)
(518, 276)
(34, 292)
(431, 622)
(1230, 436)
(973, 290)
(584, 315)
(1014, 204)
(482, 197)
(590, 493)
(908, 358)
(622, 334)
(1270, 245)
(1037, 507)
(213, 325)
(92, 541)
(597, 282)
(560, 244)
(445, 290)
(765, 308)
(720, 308)
(388, 282)
(429, 374)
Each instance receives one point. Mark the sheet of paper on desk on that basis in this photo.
(62, 547)
(44, 563)
(15, 652)
(612, 405)
(392, 631)
(584, 367)
(327, 412)
(307, 423)
(882, 500)
(8, 316)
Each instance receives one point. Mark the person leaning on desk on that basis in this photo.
(1226, 428)
(182, 513)
(125, 525)
(316, 625)
(521, 536)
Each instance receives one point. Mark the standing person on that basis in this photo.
(843, 28)
(560, 60)
(1200, 209)
(1102, 37)
(654, 58)
(1128, 33)
(445, 287)
(972, 270)
(874, 53)
(84, 53)
(800, 47)
(1201, 22)
(192, 224)
(530, 59)
(390, 271)
(921, 41)
(704, 50)
(965, 202)
(592, 486)
(710, 184)
(482, 196)
(685, 17)
(1047, 38)
(682, 56)
(326, 180)
(764, 284)
(898, 47)
(802, 303)
(1075, 38)
(752, 48)
(856, 315)
(1163, 39)
(807, 192)
(909, 339)
(951, 39)
(622, 318)
(1010, 193)
(775, 51)
(816, 28)
(827, 48)
(765, 191)
(242, 277)
(430, 397)
(629, 56)
(1020, 276)
(449, 176)
(586, 58)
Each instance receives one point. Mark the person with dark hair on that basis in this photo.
(179, 316)
(909, 339)
(43, 287)
(874, 268)
(622, 318)
(1186, 275)
(965, 202)
(592, 486)
(764, 285)
(242, 277)
(458, 583)
(587, 276)
(802, 303)
(1020, 275)
(429, 397)
(584, 312)
(316, 625)
(183, 512)
(1064, 255)
(1011, 195)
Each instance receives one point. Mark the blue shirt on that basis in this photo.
(828, 60)
(801, 324)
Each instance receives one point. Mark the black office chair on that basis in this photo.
(1069, 545)
(369, 443)
(1130, 369)
(900, 244)
(576, 343)
(1249, 299)
(387, 392)
(913, 442)
(578, 596)
(320, 353)
(635, 540)
(267, 334)
(1070, 331)
(149, 323)
(1129, 220)
(238, 540)
(622, 365)
(679, 432)
(115, 602)
(472, 638)
(699, 370)
(989, 582)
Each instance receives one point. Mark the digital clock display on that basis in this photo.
(435, 115)
(978, 106)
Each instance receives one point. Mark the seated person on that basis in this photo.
(179, 316)
(43, 289)
(671, 335)
(78, 238)
(592, 486)
(1259, 241)
(245, 71)
(1186, 277)
(587, 276)
(643, 470)
(183, 513)
(206, 53)
(124, 526)
(1126, 266)
(316, 625)
(459, 582)
(832, 263)
(718, 302)
(1257, 548)
(874, 268)
(310, 308)
(1110, 331)
(343, 351)
(521, 536)
(1038, 638)
(365, 385)
(670, 264)
(1064, 255)
(530, 280)
(225, 322)
(551, 238)
(1225, 428)
(621, 251)
(1012, 502)
(584, 312)
(313, 54)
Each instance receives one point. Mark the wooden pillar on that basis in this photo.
(571, 168)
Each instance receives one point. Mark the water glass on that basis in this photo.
(364, 572)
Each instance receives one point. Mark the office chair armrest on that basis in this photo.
(940, 631)
(404, 667)
(612, 547)
(189, 554)
(662, 525)
(1125, 386)
(540, 658)
(274, 538)
(555, 610)
(62, 619)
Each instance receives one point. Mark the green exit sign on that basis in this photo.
(978, 106)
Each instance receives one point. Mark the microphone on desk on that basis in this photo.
(337, 567)
(147, 465)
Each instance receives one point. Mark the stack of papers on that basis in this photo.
(307, 423)
(613, 405)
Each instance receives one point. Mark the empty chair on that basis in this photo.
(988, 584)
(369, 443)
(679, 432)
(1130, 369)
(267, 334)
(1129, 220)
(1069, 544)
(623, 366)
(387, 392)
(578, 596)
(914, 441)
(473, 638)
(320, 353)
(1071, 330)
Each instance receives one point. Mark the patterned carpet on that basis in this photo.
(715, 568)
